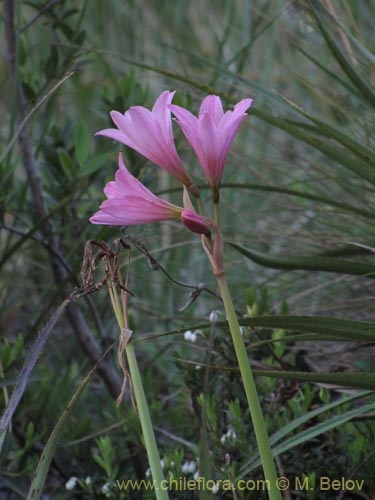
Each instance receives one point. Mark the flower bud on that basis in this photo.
(195, 222)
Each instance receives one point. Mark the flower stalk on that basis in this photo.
(140, 398)
(251, 392)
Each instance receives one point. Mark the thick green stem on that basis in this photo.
(146, 424)
(251, 393)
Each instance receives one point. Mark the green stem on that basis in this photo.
(141, 402)
(216, 211)
(200, 206)
(251, 393)
(146, 424)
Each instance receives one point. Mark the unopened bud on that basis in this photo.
(195, 222)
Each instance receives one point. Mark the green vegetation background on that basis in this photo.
(297, 209)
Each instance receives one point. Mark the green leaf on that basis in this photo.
(93, 165)
(81, 142)
(342, 328)
(330, 73)
(32, 358)
(355, 165)
(344, 62)
(356, 147)
(299, 262)
(37, 485)
(66, 162)
(299, 194)
(289, 192)
(311, 432)
(357, 380)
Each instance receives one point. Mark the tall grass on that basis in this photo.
(297, 190)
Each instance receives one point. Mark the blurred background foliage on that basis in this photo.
(297, 210)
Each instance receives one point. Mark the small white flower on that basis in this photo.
(191, 336)
(214, 316)
(215, 488)
(148, 472)
(88, 480)
(196, 475)
(162, 463)
(71, 483)
(230, 435)
(188, 467)
(242, 330)
(106, 488)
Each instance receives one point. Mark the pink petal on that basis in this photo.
(129, 202)
(113, 133)
(212, 105)
(150, 134)
(163, 115)
(187, 121)
(210, 145)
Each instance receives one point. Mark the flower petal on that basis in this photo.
(129, 202)
(212, 105)
(150, 134)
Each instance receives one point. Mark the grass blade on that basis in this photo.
(37, 485)
(309, 434)
(356, 380)
(342, 328)
(299, 262)
(356, 147)
(30, 362)
(344, 62)
(358, 167)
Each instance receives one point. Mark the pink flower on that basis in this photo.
(129, 202)
(150, 134)
(212, 133)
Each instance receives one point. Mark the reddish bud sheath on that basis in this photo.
(195, 222)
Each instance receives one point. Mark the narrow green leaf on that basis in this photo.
(348, 329)
(357, 380)
(327, 71)
(66, 162)
(304, 195)
(253, 462)
(32, 358)
(355, 165)
(343, 328)
(326, 264)
(93, 165)
(312, 337)
(81, 142)
(289, 192)
(344, 62)
(37, 485)
(356, 147)
(291, 426)
(303, 419)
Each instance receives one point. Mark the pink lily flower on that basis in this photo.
(129, 203)
(150, 134)
(211, 133)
